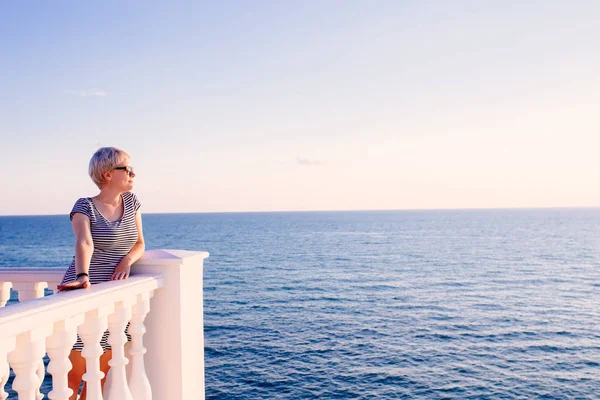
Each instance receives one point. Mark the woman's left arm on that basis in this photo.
(136, 252)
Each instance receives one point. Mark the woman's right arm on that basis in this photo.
(84, 247)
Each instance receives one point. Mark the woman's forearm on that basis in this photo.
(136, 252)
(83, 256)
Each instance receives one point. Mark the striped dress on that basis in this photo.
(112, 241)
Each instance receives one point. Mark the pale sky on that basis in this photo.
(303, 105)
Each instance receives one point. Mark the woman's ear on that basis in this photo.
(107, 176)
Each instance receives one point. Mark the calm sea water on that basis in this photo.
(494, 304)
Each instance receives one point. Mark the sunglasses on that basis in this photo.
(128, 169)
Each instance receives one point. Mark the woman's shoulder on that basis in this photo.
(132, 198)
(83, 206)
(83, 202)
(128, 196)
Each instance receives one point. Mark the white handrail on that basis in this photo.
(22, 317)
(32, 274)
(166, 285)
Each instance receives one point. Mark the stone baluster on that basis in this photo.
(25, 360)
(6, 346)
(41, 373)
(117, 322)
(4, 293)
(53, 286)
(91, 333)
(29, 291)
(138, 380)
(59, 347)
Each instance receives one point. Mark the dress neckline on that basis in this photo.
(106, 219)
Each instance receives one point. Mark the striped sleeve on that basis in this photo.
(136, 203)
(82, 206)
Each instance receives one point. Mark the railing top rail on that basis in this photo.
(28, 274)
(28, 270)
(170, 257)
(150, 257)
(23, 317)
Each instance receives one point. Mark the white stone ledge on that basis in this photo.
(170, 258)
(168, 286)
(29, 274)
(23, 317)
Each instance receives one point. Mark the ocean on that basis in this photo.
(448, 304)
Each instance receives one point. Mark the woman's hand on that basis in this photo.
(122, 271)
(83, 282)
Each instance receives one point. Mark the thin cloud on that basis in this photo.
(308, 163)
(88, 93)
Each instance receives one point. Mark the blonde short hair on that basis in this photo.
(105, 159)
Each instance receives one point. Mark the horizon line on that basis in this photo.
(345, 210)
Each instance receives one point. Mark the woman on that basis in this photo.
(108, 240)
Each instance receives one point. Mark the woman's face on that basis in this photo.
(122, 176)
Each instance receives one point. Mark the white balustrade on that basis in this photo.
(117, 322)
(7, 345)
(138, 380)
(162, 301)
(25, 361)
(27, 291)
(29, 282)
(41, 374)
(91, 333)
(4, 296)
(58, 346)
